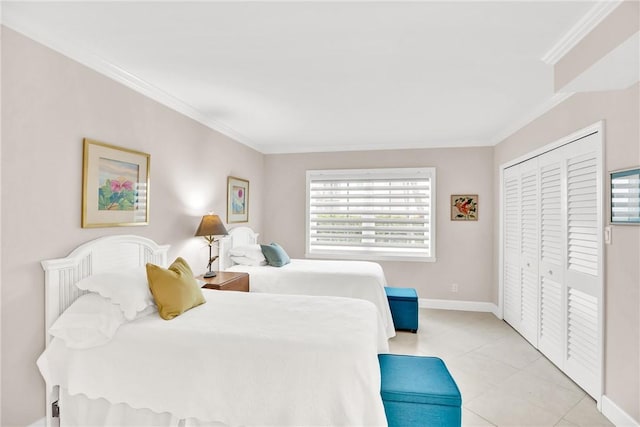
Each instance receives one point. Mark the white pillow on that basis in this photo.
(147, 311)
(89, 322)
(129, 289)
(243, 260)
(253, 252)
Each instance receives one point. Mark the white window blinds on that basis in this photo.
(625, 197)
(371, 214)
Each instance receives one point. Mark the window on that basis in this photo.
(378, 214)
(625, 197)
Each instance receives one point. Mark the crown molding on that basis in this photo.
(338, 147)
(114, 72)
(584, 26)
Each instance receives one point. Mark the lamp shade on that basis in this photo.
(211, 225)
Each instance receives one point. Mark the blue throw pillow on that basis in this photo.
(275, 255)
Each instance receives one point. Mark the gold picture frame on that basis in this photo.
(237, 200)
(115, 186)
(464, 207)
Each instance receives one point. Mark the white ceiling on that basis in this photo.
(323, 76)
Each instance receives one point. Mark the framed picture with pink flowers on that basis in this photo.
(115, 186)
(237, 200)
(464, 207)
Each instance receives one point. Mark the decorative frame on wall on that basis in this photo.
(115, 186)
(625, 196)
(237, 200)
(464, 207)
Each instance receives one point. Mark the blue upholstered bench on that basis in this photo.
(404, 307)
(419, 391)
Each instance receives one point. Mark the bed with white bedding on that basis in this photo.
(353, 279)
(239, 359)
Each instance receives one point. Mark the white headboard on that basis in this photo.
(238, 236)
(111, 253)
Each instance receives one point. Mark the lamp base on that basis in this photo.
(209, 274)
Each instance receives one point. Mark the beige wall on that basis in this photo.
(49, 103)
(620, 111)
(463, 248)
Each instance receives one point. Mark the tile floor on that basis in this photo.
(504, 381)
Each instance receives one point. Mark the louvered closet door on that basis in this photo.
(511, 260)
(551, 332)
(553, 286)
(529, 242)
(583, 274)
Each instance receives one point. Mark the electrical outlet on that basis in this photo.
(454, 287)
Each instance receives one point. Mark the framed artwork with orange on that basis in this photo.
(464, 207)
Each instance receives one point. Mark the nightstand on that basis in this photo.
(227, 281)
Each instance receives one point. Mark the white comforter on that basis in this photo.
(240, 359)
(353, 279)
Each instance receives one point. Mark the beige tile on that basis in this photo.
(473, 337)
(401, 348)
(546, 370)
(451, 345)
(471, 385)
(448, 318)
(404, 343)
(471, 419)
(452, 318)
(442, 349)
(585, 413)
(512, 350)
(492, 329)
(503, 409)
(542, 393)
(486, 369)
(565, 423)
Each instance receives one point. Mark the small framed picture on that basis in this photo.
(237, 200)
(115, 186)
(464, 207)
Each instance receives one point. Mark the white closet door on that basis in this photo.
(529, 247)
(551, 333)
(511, 259)
(552, 256)
(583, 274)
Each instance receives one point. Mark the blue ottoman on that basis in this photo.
(419, 391)
(404, 308)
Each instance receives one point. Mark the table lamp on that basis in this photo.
(211, 226)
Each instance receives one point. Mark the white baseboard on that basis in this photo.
(445, 304)
(616, 415)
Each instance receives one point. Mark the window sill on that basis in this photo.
(368, 257)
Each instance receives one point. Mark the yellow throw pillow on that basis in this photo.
(174, 290)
